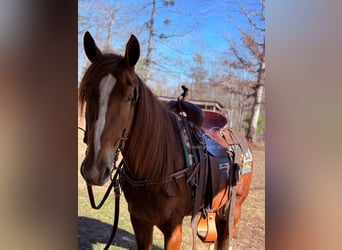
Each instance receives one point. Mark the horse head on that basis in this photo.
(108, 90)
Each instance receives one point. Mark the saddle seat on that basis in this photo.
(214, 120)
(194, 113)
(211, 127)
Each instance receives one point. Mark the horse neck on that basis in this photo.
(153, 147)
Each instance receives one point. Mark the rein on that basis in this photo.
(116, 184)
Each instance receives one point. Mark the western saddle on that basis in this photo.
(209, 148)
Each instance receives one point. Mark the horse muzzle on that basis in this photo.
(95, 175)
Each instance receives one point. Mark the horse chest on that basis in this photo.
(142, 202)
(150, 204)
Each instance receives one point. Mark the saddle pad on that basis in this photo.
(214, 148)
(247, 162)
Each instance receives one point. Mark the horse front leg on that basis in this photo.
(222, 241)
(237, 215)
(143, 232)
(172, 237)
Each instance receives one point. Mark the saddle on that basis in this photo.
(210, 149)
(193, 113)
(215, 127)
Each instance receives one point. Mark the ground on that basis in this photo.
(94, 226)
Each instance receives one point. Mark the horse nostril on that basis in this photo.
(81, 170)
(105, 174)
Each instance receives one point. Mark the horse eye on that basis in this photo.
(134, 96)
(84, 95)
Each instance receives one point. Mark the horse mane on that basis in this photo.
(152, 139)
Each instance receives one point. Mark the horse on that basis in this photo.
(122, 113)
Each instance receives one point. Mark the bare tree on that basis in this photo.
(101, 17)
(150, 26)
(253, 60)
(112, 11)
(198, 74)
(152, 33)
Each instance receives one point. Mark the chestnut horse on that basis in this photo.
(122, 112)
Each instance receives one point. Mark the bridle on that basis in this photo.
(116, 171)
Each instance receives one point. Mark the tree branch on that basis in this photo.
(251, 44)
(249, 19)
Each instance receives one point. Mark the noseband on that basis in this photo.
(116, 172)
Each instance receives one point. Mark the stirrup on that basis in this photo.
(206, 229)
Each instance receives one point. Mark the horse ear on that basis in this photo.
(91, 50)
(132, 53)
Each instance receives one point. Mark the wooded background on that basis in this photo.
(215, 48)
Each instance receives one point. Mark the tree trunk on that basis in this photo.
(251, 135)
(113, 13)
(150, 43)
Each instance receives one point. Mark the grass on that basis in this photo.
(94, 226)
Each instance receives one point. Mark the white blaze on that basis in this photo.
(106, 86)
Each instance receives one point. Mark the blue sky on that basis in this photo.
(195, 27)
